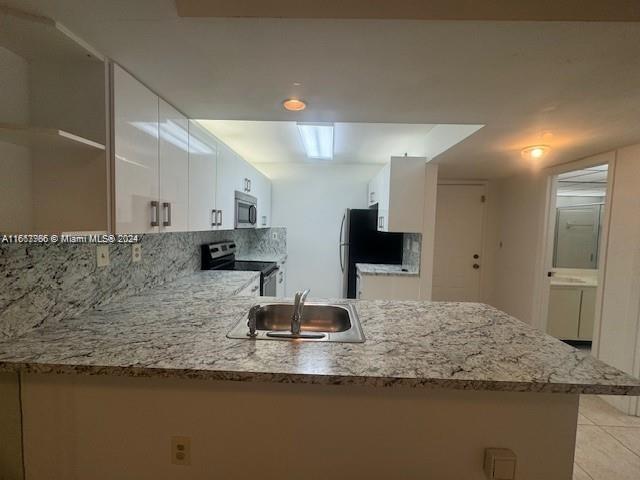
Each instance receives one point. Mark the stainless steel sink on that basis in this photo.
(321, 322)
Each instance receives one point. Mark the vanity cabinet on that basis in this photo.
(571, 312)
(398, 190)
(387, 287)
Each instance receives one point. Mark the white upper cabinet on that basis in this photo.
(398, 189)
(203, 172)
(230, 178)
(136, 155)
(261, 189)
(174, 169)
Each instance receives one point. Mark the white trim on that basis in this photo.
(545, 259)
(484, 245)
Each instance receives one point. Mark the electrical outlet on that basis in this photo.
(274, 235)
(136, 252)
(102, 255)
(181, 450)
(415, 247)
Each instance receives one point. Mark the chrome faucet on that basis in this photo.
(298, 306)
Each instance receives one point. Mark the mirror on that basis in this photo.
(580, 202)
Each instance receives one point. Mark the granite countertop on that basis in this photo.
(384, 269)
(179, 330)
(262, 257)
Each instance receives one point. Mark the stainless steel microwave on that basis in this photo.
(246, 210)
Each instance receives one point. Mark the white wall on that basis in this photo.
(620, 324)
(516, 211)
(310, 200)
(15, 161)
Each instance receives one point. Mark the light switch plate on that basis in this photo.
(102, 255)
(136, 252)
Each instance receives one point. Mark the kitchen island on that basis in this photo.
(433, 385)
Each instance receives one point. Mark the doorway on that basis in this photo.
(460, 210)
(575, 236)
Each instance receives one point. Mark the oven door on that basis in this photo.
(246, 211)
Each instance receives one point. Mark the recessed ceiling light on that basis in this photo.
(317, 139)
(536, 151)
(294, 105)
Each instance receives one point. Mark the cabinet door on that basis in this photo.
(587, 313)
(203, 162)
(282, 278)
(230, 178)
(383, 189)
(261, 188)
(174, 169)
(564, 312)
(136, 154)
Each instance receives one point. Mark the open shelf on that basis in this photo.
(45, 137)
(37, 38)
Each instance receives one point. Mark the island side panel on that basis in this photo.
(10, 427)
(100, 427)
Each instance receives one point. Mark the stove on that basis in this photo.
(222, 256)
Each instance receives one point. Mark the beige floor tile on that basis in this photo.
(628, 436)
(582, 420)
(603, 457)
(579, 473)
(601, 413)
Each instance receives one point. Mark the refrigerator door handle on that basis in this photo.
(341, 244)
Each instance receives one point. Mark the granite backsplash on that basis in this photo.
(411, 245)
(41, 283)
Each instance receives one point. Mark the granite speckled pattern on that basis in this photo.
(384, 269)
(262, 257)
(179, 330)
(42, 284)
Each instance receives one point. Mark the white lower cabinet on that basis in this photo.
(571, 312)
(387, 287)
(281, 285)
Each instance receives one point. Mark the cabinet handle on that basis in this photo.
(166, 206)
(219, 215)
(214, 217)
(155, 213)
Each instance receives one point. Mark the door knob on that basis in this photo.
(476, 266)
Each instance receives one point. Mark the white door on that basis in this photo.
(458, 243)
(202, 179)
(136, 155)
(174, 169)
(230, 178)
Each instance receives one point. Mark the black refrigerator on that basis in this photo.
(361, 242)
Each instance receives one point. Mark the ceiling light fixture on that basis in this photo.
(294, 105)
(317, 139)
(536, 152)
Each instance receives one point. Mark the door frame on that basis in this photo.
(484, 247)
(545, 260)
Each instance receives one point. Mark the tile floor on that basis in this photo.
(607, 444)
